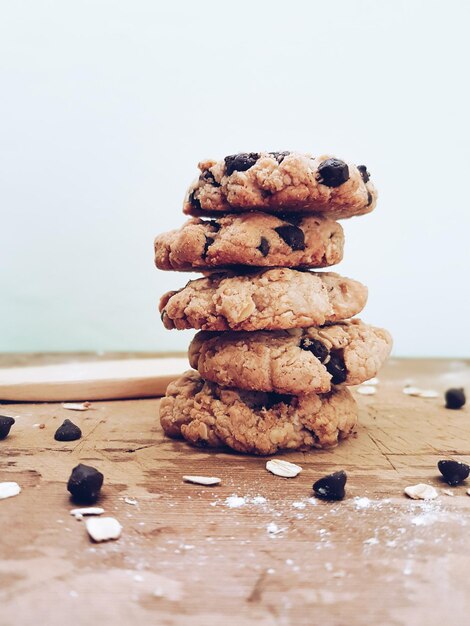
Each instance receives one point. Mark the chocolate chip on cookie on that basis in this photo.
(264, 246)
(369, 198)
(194, 201)
(280, 156)
(240, 162)
(292, 235)
(207, 245)
(316, 347)
(214, 224)
(455, 398)
(5, 424)
(208, 177)
(337, 369)
(364, 173)
(453, 472)
(331, 487)
(333, 172)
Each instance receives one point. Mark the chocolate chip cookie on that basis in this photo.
(273, 299)
(254, 238)
(300, 361)
(281, 182)
(255, 422)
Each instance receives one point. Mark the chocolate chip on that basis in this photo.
(240, 162)
(333, 172)
(264, 246)
(209, 242)
(369, 198)
(292, 218)
(85, 483)
(292, 235)
(453, 472)
(68, 431)
(5, 424)
(337, 369)
(280, 156)
(331, 487)
(364, 173)
(214, 224)
(276, 398)
(455, 398)
(208, 177)
(193, 201)
(316, 347)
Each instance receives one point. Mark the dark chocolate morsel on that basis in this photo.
(85, 483)
(292, 218)
(208, 177)
(264, 246)
(316, 347)
(331, 487)
(276, 398)
(364, 173)
(369, 198)
(453, 472)
(280, 156)
(455, 398)
(333, 172)
(193, 201)
(337, 369)
(240, 162)
(68, 431)
(209, 242)
(292, 235)
(214, 224)
(5, 424)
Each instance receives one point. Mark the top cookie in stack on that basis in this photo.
(272, 384)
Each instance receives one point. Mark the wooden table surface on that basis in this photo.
(187, 557)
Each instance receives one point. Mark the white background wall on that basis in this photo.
(107, 106)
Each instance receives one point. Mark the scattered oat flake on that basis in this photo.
(130, 501)
(234, 502)
(77, 406)
(366, 390)
(420, 393)
(372, 381)
(448, 492)
(8, 490)
(421, 492)
(273, 529)
(259, 500)
(362, 503)
(283, 468)
(89, 510)
(103, 528)
(299, 505)
(202, 480)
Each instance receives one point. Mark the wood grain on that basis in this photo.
(186, 557)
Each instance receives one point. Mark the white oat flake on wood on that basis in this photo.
(8, 490)
(408, 390)
(421, 492)
(103, 528)
(202, 480)
(88, 510)
(77, 406)
(366, 390)
(283, 468)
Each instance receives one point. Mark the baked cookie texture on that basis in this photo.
(255, 422)
(300, 361)
(273, 299)
(281, 182)
(253, 238)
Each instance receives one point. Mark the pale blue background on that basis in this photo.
(106, 108)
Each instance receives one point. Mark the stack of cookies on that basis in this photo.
(277, 348)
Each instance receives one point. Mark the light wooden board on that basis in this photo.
(90, 380)
(186, 557)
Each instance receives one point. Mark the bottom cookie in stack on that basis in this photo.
(255, 422)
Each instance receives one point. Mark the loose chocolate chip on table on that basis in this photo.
(316, 347)
(292, 235)
(280, 156)
(455, 398)
(68, 431)
(264, 246)
(193, 201)
(333, 172)
(240, 162)
(453, 472)
(214, 224)
(364, 173)
(85, 483)
(331, 487)
(209, 242)
(5, 424)
(337, 369)
(208, 177)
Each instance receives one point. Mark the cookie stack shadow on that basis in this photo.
(277, 347)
